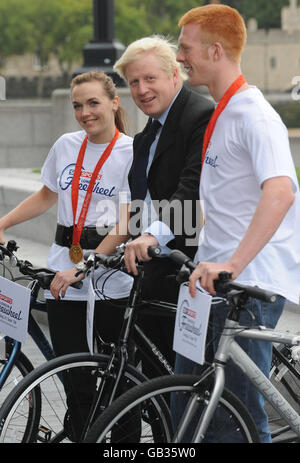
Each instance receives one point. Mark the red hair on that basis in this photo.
(219, 23)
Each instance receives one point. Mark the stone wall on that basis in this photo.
(271, 59)
(25, 133)
(29, 128)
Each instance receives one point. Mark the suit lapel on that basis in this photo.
(170, 127)
(136, 143)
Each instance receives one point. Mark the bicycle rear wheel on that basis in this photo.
(239, 423)
(63, 415)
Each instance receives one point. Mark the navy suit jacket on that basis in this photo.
(174, 174)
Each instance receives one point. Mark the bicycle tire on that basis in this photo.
(154, 390)
(58, 430)
(32, 406)
(286, 381)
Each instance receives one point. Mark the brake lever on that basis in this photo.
(183, 274)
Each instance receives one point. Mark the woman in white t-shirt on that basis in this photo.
(86, 173)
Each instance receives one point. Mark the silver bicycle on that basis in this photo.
(210, 411)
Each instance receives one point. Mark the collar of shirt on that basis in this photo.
(149, 214)
(162, 118)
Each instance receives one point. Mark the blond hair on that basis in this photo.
(219, 23)
(160, 46)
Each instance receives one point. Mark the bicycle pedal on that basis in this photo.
(46, 434)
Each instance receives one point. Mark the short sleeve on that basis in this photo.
(268, 143)
(48, 173)
(125, 194)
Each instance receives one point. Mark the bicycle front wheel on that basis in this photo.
(30, 409)
(69, 385)
(238, 423)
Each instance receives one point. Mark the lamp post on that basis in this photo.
(103, 50)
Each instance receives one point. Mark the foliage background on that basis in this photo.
(63, 27)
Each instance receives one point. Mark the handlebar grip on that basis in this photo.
(181, 259)
(77, 285)
(46, 278)
(154, 251)
(108, 261)
(255, 292)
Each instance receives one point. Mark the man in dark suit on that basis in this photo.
(173, 170)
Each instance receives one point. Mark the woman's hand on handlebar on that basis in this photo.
(138, 249)
(62, 281)
(2, 237)
(208, 272)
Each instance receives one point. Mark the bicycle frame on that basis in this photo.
(229, 349)
(119, 353)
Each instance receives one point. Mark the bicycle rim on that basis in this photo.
(236, 424)
(62, 415)
(29, 411)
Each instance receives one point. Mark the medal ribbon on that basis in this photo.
(234, 87)
(77, 228)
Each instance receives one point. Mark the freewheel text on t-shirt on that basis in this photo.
(211, 161)
(66, 177)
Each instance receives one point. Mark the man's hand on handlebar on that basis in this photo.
(208, 272)
(138, 249)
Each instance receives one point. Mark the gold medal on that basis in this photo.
(76, 253)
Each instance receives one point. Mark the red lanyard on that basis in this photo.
(77, 228)
(221, 106)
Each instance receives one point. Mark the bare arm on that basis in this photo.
(33, 206)
(276, 199)
(119, 234)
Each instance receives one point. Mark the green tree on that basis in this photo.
(267, 13)
(72, 30)
(15, 33)
(139, 18)
(131, 20)
(59, 28)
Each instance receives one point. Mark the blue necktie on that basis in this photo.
(139, 175)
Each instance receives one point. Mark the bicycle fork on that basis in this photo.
(209, 405)
(210, 402)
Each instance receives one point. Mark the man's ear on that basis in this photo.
(216, 51)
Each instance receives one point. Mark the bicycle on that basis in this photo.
(205, 395)
(14, 363)
(285, 376)
(106, 375)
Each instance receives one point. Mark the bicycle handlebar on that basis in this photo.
(222, 285)
(43, 275)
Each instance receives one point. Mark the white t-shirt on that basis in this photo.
(249, 145)
(111, 189)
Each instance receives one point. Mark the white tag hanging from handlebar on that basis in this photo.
(14, 309)
(90, 314)
(191, 324)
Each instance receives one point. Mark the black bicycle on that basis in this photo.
(67, 407)
(199, 399)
